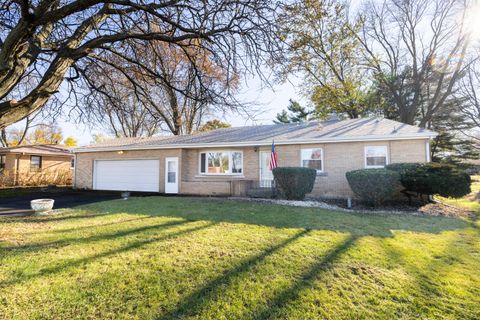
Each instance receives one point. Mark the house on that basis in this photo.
(229, 161)
(35, 165)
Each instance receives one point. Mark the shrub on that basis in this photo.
(294, 182)
(403, 167)
(433, 179)
(35, 179)
(374, 186)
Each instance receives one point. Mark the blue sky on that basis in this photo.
(269, 100)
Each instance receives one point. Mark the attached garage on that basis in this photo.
(127, 175)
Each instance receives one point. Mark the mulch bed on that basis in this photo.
(441, 209)
(417, 207)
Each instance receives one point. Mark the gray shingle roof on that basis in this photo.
(327, 131)
(39, 149)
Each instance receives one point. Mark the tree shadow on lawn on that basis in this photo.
(278, 216)
(432, 281)
(63, 265)
(96, 237)
(191, 305)
(46, 218)
(275, 305)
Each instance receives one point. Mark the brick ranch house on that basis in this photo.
(35, 165)
(229, 161)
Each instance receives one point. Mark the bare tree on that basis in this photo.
(470, 93)
(176, 92)
(116, 107)
(10, 137)
(51, 40)
(322, 45)
(416, 51)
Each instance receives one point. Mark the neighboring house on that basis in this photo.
(35, 165)
(229, 161)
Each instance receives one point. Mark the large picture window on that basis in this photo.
(313, 158)
(221, 162)
(35, 163)
(376, 156)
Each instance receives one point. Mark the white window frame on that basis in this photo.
(387, 160)
(321, 158)
(230, 162)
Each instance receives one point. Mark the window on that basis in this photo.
(3, 159)
(376, 156)
(35, 163)
(171, 172)
(72, 163)
(221, 162)
(313, 158)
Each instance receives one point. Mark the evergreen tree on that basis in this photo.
(295, 113)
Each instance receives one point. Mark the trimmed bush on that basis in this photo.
(403, 167)
(294, 182)
(374, 186)
(433, 179)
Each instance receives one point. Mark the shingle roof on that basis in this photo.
(327, 131)
(40, 149)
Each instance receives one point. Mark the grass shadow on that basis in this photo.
(46, 219)
(247, 212)
(275, 305)
(429, 277)
(76, 262)
(93, 238)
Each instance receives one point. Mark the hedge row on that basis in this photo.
(375, 186)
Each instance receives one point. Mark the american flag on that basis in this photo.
(273, 158)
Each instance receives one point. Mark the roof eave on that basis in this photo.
(426, 135)
(63, 154)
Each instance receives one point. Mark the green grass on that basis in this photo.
(191, 258)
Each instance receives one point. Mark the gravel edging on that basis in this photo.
(422, 211)
(324, 205)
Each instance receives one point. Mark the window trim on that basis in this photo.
(229, 151)
(39, 164)
(321, 158)
(387, 156)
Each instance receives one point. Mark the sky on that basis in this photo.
(270, 100)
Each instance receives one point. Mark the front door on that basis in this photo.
(171, 175)
(266, 175)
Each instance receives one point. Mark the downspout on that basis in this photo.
(428, 151)
(74, 171)
(17, 168)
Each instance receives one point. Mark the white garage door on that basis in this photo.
(127, 175)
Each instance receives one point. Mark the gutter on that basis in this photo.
(258, 143)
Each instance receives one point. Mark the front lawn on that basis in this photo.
(182, 258)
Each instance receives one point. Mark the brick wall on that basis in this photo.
(54, 169)
(338, 159)
(84, 164)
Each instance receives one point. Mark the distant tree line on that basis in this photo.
(139, 68)
(411, 61)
